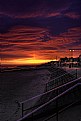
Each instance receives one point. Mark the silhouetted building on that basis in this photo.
(70, 61)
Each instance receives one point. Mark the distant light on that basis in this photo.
(71, 50)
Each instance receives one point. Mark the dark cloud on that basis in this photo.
(53, 14)
(3, 46)
(19, 8)
(39, 25)
(49, 48)
(55, 25)
(73, 44)
(12, 56)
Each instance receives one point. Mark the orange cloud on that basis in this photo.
(24, 45)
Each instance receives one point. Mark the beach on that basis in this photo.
(19, 86)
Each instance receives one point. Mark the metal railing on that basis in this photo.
(39, 100)
(61, 80)
(41, 108)
(53, 115)
(56, 72)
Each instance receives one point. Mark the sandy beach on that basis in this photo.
(19, 86)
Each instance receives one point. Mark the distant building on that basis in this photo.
(70, 61)
(79, 59)
(64, 59)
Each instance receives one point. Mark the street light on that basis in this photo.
(71, 60)
(71, 50)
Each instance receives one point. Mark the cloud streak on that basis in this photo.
(38, 29)
(32, 8)
(28, 41)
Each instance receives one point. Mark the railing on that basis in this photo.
(60, 111)
(51, 103)
(61, 80)
(39, 101)
(55, 72)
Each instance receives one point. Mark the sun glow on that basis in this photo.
(25, 61)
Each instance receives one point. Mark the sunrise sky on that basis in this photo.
(38, 31)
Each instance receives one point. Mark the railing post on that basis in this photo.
(76, 73)
(57, 106)
(22, 108)
(46, 86)
(32, 117)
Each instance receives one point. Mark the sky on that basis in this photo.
(37, 31)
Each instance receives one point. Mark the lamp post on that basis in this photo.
(71, 50)
(71, 60)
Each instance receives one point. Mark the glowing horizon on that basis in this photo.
(25, 62)
(36, 59)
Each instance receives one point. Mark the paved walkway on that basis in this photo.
(71, 114)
